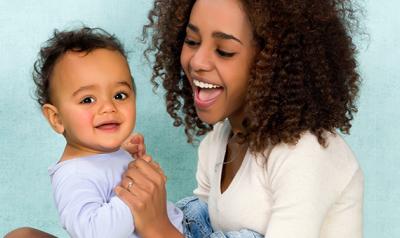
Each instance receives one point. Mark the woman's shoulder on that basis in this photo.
(335, 157)
(308, 145)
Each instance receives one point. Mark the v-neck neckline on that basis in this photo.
(236, 178)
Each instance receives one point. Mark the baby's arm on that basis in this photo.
(84, 211)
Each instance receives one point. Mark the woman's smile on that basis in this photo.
(205, 94)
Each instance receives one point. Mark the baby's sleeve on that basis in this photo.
(175, 215)
(84, 212)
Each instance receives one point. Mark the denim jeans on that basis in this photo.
(196, 222)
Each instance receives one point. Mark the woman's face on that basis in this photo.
(216, 57)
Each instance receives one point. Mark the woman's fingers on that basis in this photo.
(129, 198)
(146, 158)
(144, 176)
(136, 190)
(151, 170)
(154, 164)
(127, 183)
(143, 189)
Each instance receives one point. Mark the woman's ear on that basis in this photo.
(53, 117)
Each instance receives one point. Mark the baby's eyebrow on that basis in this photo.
(125, 83)
(87, 87)
(82, 89)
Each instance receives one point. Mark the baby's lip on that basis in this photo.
(109, 123)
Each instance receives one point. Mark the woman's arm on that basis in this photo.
(313, 188)
(146, 198)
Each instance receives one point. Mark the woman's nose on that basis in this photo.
(202, 60)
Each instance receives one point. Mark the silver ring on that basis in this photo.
(129, 185)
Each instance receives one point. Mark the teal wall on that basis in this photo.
(28, 146)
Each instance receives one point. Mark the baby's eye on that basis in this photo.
(120, 96)
(225, 54)
(87, 100)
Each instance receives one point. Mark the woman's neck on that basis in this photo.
(236, 122)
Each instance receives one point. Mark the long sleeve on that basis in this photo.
(175, 216)
(309, 186)
(84, 213)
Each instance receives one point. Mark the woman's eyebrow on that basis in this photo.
(193, 28)
(225, 36)
(216, 34)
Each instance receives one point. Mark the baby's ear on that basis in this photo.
(53, 117)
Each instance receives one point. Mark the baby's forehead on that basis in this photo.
(99, 63)
(100, 59)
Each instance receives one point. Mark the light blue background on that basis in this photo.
(28, 146)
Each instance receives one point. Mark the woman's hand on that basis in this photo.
(143, 189)
(134, 144)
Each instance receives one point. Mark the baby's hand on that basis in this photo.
(134, 144)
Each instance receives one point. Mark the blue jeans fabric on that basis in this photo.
(196, 222)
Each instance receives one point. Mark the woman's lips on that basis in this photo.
(204, 98)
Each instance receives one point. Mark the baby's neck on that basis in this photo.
(74, 151)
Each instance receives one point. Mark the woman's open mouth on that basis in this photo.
(205, 94)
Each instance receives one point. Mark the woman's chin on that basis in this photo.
(210, 118)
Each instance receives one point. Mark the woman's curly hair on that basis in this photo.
(303, 78)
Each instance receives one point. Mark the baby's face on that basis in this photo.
(94, 96)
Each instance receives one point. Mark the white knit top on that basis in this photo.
(303, 191)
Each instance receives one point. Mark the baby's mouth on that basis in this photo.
(108, 126)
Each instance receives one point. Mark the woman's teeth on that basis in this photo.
(204, 85)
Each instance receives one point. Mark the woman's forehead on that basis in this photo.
(226, 16)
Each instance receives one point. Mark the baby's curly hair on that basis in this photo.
(303, 78)
(84, 39)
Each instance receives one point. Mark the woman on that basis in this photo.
(272, 81)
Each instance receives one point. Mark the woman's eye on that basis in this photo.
(190, 42)
(120, 96)
(87, 100)
(225, 53)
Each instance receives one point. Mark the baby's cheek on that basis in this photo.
(86, 118)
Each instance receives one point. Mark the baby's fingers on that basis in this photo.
(134, 144)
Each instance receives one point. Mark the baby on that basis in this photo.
(87, 94)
